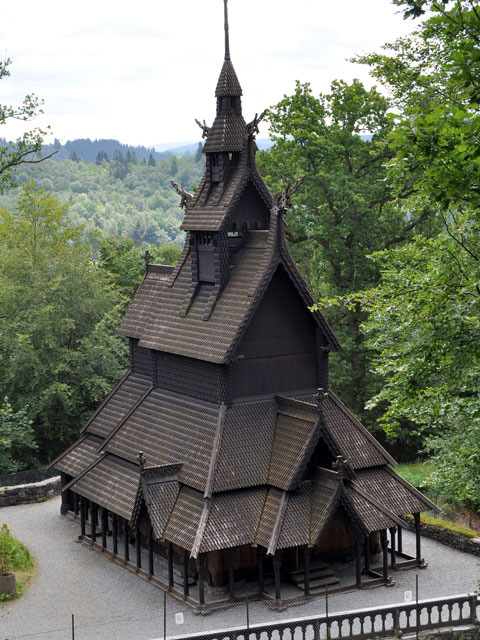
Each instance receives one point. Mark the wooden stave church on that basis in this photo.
(223, 449)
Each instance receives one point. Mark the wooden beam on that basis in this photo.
(126, 549)
(399, 539)
(104, 520)
(170, 564)
(83, 511)
(418, 526)
(358, 563)
(201, 578)
(277, 565)
(185, 573)
(114, 534)
(383, 538)
(306, 569)
(150, 551)
(138, 547)
(231, 573)
(260, 556)
(393, 531)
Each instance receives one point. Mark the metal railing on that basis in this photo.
(389, 620)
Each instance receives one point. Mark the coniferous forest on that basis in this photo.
(385, 228)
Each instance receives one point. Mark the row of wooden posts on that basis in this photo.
(82, 506)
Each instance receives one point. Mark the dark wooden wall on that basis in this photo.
(251, 210)
(278, 352)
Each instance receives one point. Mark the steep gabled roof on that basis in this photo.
(80, 455)
(212, 204)
(151, 288)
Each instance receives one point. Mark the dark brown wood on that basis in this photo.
(75, 503)
(358, 562)
(170, 564)
(83, 511)
(260, 556)
(399, 539)
(306, 569)
(418, 540)
(138, 548)
(383, 538)
(65, 505)
(126, 548)
(277, 566)
(150, 551)
(201, 578)
(393, 553)
(94, 523)
(366, 553)
(185, 558)
(114, 534)
(231, 572)
(104, 521)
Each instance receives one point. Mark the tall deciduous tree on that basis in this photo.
(58, 345)
(346, 208)
(27, 148)
(425, 316)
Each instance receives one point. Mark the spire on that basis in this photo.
(227, 42)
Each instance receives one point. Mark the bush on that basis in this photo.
(5, 551)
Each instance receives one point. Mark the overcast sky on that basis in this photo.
(142, 71)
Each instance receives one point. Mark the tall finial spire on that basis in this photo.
(227, 42)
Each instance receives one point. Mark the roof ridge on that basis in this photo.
(215, 451)
(272, 547)
(361, 427)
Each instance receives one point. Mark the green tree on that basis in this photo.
(58, 347)
(101, 156)
(151, 160)
(124, 263)
(17, 440)
(27, 148)
(345, 209)
(424, 320)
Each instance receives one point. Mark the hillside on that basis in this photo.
(132, 199)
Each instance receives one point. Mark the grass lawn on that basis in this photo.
(23, 566)
(415, 472)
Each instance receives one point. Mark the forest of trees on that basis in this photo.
(385, 229)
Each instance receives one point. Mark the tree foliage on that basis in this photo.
(17, 440)
(346, 208)
(27, 148)
(59, 313)
(424, 317)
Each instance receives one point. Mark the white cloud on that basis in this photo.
(140, 72)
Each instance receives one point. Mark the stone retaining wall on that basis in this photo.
(25, 493)
(454, 540)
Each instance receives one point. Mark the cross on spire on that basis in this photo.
(227, 41)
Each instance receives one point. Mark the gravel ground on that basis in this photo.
(110, 603)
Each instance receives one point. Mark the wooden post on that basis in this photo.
(114, 534)
(399, 539)
(138, 548)
(231, 574)
(306, 569)
(367, 554)
(418, 527)
(126, 549)
(150, 551)
(383, 538)
(104, 517)
(185, 573)
(83, 510)
(277, 565)
(170, 564)
(393, 531)
(201, 578)
(260, 556)
(75, 503)
(358, 563)
(65, 506)
(94, 522)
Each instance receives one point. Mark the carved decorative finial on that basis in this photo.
(339, 466)
(142, 460)
(252, 127)
(147, 256)
(282, 200)
(186, 197)
(227, 39)
(204, 128)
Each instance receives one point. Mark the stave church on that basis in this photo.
(223, 462)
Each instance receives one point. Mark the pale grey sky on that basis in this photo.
(142, 71)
